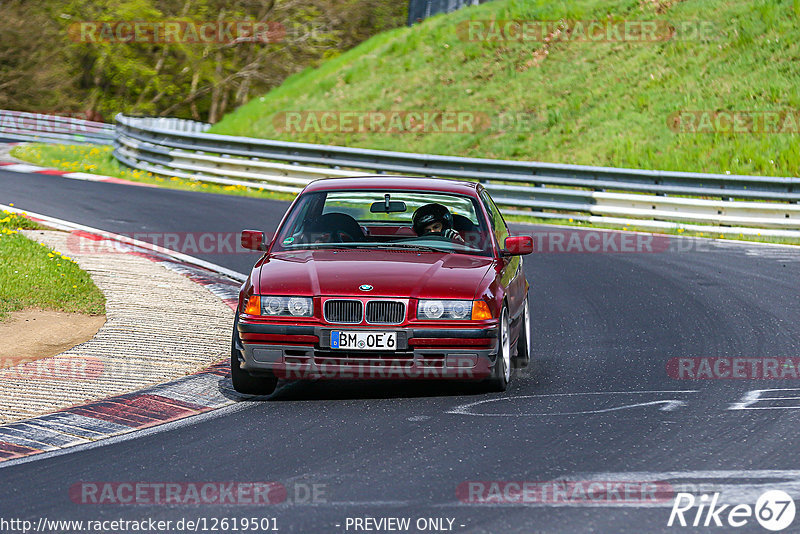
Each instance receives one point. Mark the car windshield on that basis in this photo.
(386, 219)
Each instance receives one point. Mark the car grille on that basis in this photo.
(385, 312)
(343, 311)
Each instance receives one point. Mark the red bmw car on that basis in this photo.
(384, 277)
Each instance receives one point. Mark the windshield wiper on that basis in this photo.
(410, 246)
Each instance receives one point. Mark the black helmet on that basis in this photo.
(432, 213)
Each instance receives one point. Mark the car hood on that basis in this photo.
(391, 273)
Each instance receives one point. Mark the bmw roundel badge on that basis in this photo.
(365, 287)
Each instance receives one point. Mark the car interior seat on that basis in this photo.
(468, 230)
(342, 227)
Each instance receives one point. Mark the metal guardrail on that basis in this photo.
(23, 126)
(729, 203)
(419, 10)
(732, 204)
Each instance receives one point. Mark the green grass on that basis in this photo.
(604, 103)
(33, 276)
(100, 160)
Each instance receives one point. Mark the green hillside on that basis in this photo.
(584, 102)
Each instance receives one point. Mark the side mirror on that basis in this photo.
(253, 240)
(518, 245)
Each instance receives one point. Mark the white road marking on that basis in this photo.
(734, 486)
(85, 176)
(22, 167)
(754, 396)
(669, 404)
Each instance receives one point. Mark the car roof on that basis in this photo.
(403, 183)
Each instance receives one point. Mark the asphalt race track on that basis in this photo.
(599, 404)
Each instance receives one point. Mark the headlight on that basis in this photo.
(273, 306)
(287, 306)
(444, 309)
(299, 307)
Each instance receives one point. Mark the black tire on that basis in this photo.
(523, 341)
(244, 382)
(501, 371)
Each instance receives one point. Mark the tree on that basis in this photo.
(201, 80)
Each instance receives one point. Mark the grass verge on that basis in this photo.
(33, 276)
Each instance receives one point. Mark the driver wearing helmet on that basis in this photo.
(435, 220)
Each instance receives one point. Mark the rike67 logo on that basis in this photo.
(774, 510)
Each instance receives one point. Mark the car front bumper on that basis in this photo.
(304, 352)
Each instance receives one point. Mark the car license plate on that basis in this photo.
(354, 340)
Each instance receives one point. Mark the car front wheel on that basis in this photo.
(242, 381)
(501, 372)
(524, 341)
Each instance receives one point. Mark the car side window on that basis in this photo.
(498, 223)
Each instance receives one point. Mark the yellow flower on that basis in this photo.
(50, 255)
(75, 287)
